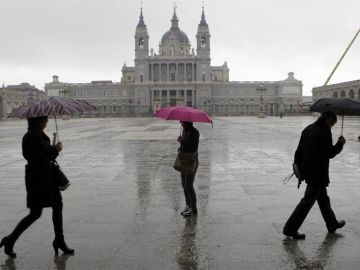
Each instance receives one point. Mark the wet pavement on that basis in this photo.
(122, 210)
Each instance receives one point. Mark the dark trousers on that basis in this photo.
(35, 214)
(187, 182)
(312, 194)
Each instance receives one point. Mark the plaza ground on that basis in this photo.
(122, 210)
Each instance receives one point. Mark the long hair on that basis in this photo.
(35, 122)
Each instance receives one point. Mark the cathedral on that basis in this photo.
(177, 74)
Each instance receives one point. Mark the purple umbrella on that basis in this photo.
(52, 106)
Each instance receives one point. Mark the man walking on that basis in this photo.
(311, 163)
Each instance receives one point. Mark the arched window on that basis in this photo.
(343, 94)
(335, 94)
(351, 93)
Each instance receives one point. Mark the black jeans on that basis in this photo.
(187, 182)
(312, 194)
(35, 214)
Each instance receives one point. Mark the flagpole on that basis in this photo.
(341, 58)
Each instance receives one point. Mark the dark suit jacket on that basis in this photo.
(41, 192)
(314, 152)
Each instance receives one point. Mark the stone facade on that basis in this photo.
(179, 74)
(14, 96)
(349, 89)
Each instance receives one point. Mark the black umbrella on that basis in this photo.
(339, 106)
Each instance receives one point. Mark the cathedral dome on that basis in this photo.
(174, 33)
(179, 35)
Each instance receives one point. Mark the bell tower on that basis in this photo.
(203, 38)
(141, 39)
(203, 50)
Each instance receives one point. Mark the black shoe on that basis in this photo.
(190, 212)
(60, 244)
(297, 235)
(8, 247)
(185, 210)
(339, 225)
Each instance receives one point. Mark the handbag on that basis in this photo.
(59, 178)
(186, 162)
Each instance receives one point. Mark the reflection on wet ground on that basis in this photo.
(9, 264)
(319, 260)
(188, 255)
(122, 210)
(60, 261)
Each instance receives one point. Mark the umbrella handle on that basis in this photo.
(57, 131)
(54, 138)
(342, 123)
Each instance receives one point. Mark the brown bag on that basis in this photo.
(186, 162)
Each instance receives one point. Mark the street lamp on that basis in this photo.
(64, 92)
(261, 112)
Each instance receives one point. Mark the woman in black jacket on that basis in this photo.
(41, 190)
(189, 143)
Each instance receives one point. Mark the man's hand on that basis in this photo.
(342, 140)
(296, 170)
(179, 139)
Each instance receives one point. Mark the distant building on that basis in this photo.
(177, 74)
(13, 96)
(349, 89)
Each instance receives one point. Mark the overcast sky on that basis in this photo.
(262, 40)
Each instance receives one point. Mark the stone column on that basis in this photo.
(152, 72)
(177, 72)
(167, 72)
(185, 76)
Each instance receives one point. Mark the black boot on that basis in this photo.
(8, 244)
(59, 243)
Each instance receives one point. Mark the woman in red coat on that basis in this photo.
(41, 190)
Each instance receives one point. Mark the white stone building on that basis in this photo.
(349, 89)
(14, 96)
(181, 74)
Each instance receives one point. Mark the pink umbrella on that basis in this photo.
(183, 113)
(52, 106)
